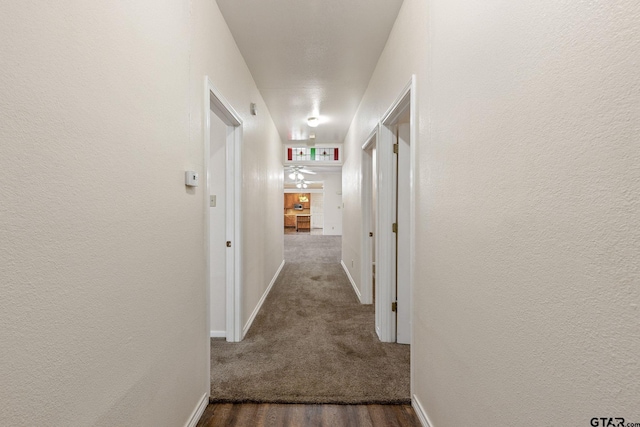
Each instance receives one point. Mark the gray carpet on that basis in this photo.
(312, 341)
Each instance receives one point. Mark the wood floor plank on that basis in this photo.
(313, 415)
(297, 415)
(246, 415)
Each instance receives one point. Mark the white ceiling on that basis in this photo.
(311, 57)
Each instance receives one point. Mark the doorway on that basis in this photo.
(369, 222)
(222, 147)
(317, 211)
(394, 218)
(216, 179)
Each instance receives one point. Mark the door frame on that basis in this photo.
(366, 199)
(214, 101)
(386, 202)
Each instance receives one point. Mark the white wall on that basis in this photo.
(103, 308)
(527, 193)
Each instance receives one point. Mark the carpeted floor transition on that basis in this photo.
(312, 341)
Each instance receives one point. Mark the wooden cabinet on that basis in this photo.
(289, 220)
(307, 204)
(291, 199)
(303, 222)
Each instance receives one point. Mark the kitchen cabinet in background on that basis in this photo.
(291, 199)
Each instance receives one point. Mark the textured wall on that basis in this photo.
(102, 269)
(530, 187)
(528, 192)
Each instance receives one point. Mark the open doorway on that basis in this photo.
(394, 217)
(217, 181)
(369, 220)
(222, 147)
(313, 195)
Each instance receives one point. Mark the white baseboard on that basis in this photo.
(420, 412)
(197, 413)
(353, 284)
(259, 305)
(218, 334)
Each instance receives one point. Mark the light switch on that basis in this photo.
(212, 200)
(191, 178)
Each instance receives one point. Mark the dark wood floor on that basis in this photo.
(277, 415)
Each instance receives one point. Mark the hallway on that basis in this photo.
(261, 367)
(312, 341)
(524, 261)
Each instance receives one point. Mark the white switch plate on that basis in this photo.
(212, 200)
(191, 178)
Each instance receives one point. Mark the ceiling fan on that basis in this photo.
(295, 172)
(303, 183)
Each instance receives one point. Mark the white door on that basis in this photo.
(217, 225)
(317, 210)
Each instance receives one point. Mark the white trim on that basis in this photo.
(214, 101)
(198, 411)
(218, 334)
(369, 141)
(400, 105)
(259, 305)
(353, 284)
(386, 239)
(303, 190)
(420, 412)
(236, 234)
(385, 210)
(207, 227)
(413, 167)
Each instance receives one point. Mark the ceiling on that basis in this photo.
(311, 58)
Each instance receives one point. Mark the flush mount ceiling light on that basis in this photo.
(313, 122)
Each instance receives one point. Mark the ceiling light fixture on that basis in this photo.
(313, 122)
(292, 175)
